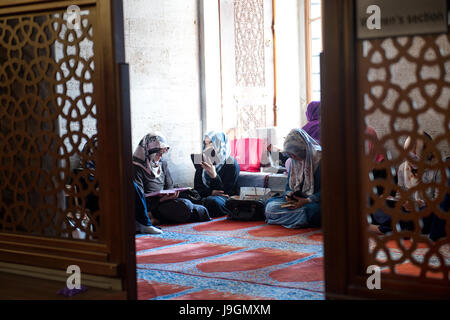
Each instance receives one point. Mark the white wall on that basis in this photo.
(403, 73)
(161, 43)
(290, 62)
(211, 42)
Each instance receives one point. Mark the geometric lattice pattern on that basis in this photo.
(249, 43)
(405, 87)
(48, 127)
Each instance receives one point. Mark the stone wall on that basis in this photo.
(161, 43)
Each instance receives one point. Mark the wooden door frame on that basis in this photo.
(342, 145)
(122, 89)
(115, 257)
(337, 47)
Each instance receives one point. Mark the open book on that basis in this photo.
(164, 192)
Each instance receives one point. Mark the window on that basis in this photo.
(313, 20)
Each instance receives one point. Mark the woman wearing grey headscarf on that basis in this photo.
(151, 174)
(299, 207)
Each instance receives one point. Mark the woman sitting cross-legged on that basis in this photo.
(152, 174)
(216, 180)
(412, 174)
(299, 207)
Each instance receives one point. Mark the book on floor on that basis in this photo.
(165, 192)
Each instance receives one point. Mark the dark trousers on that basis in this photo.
(140, 207)
(179, 211)
(216, 206)
(431, 225)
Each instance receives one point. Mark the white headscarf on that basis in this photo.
(222, 151)
(301, 176)
(408, 176)
(144, 155)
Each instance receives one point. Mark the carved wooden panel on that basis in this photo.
(249, 43)
(404, 90)
(251, 118)
(48, 126)
(247, 65)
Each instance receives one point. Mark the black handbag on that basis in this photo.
(245, 210)
(192, 195)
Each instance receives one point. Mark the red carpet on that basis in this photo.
(224, 259)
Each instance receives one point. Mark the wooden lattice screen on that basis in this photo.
(247, 71)
(49, 123)
(398, 86)
(405, 91)
(64, 137)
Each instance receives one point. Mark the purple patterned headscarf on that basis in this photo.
(145, 153)
(313, 117)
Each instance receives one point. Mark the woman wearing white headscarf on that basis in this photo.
(151, 173)
(299, 207)
(216, 180)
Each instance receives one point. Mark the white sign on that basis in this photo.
(73, 17)
(74, 280)
(389, 18)
(373, 281)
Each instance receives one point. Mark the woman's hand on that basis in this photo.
(210, 169)
(421, 203)
(289, 196)
(219, 193)
(408, 206)
(298, 202)
(168, 197)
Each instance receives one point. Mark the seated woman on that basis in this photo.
(143, 222)
(299, 207)
(378, 174)
(216, 180)
(313, 116)
(408, 178)
(437, 228)
(152, 174)
(312, 127)
(87, 164)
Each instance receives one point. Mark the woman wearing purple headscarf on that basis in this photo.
(313, 117)
(312, 127)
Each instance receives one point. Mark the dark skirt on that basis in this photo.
(179, 211)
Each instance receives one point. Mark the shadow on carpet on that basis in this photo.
(224, 259)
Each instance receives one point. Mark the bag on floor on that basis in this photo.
(245, 210)
(191, 195)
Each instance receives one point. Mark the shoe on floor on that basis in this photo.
(147, 229)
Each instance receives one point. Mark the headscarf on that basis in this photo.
(410, 177)
(302, 171)
(144, 155)
(313, 117)
(377, 157)
(88, 160)
(222, 151)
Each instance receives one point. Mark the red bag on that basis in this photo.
(247, 152)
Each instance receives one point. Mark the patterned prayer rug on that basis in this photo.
(224, 259)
